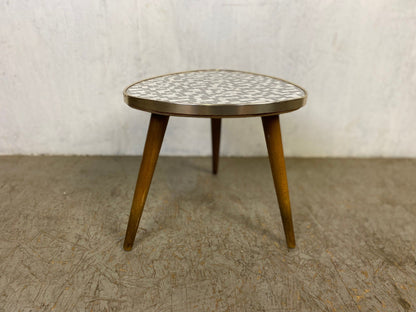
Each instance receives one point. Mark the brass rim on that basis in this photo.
(218, 110)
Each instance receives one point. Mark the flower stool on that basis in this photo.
(213, 94)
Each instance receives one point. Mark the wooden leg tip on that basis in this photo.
(291, 245)
(128, 247)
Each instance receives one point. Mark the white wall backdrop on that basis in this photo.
(64, 64)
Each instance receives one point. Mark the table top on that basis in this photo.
(215, 93)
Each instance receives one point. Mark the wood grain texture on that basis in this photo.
(216, 139)
(207, 244)
(155, 134)
(272, 133)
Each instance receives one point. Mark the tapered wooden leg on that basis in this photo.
(155, 134)
(271, 127)
(216, 135)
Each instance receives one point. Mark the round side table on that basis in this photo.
(213, 94)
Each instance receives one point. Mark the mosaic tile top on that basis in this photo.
(215, 87)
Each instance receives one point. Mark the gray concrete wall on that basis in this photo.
(63, 65)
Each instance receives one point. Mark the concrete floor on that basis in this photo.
(207, 243)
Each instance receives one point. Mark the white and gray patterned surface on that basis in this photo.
(215, 87)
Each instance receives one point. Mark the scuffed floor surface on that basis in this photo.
(207, 243)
